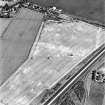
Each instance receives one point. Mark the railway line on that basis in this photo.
(94, 57)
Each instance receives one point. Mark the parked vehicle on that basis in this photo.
(26, 4)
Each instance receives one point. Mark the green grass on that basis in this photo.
(89, 9)
(17, 40)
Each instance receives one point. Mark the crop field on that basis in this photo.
(61, 46)
(17, 36)
(89, 9)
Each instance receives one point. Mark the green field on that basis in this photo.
(17, 36)
(89, 9)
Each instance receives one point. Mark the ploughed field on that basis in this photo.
(17, 36)
(60, 47)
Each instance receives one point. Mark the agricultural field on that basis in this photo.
(60, 47)
(95, 90)
(90, 9)
(17, 36)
